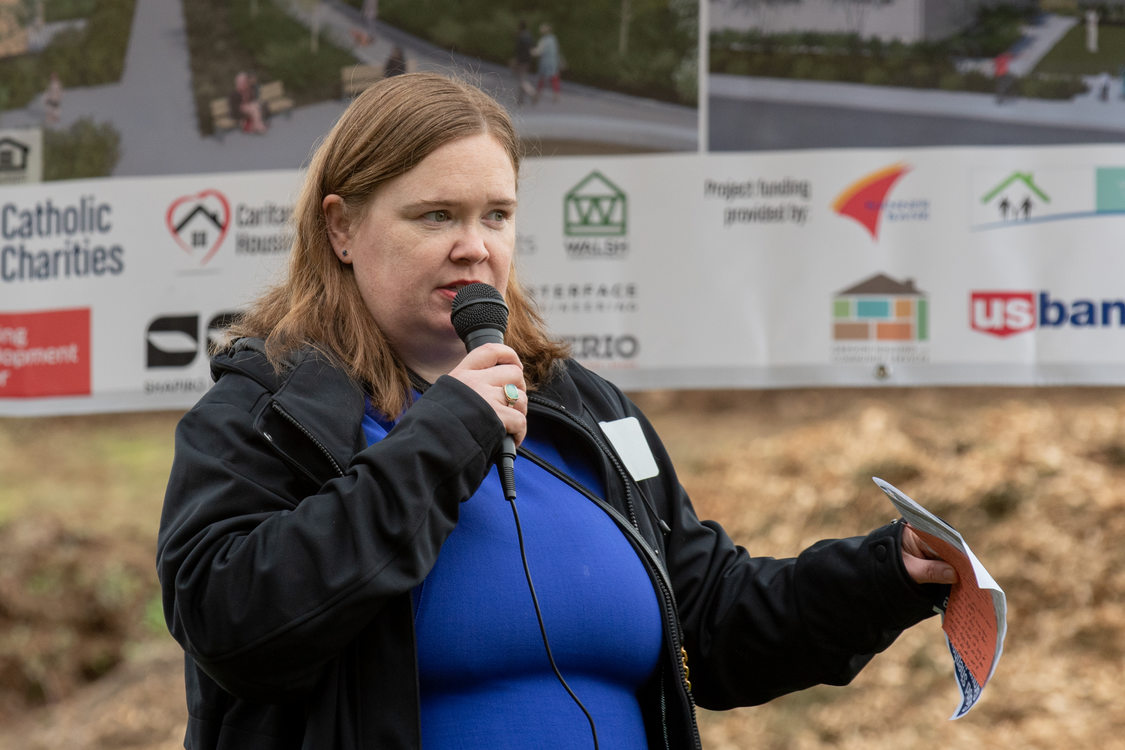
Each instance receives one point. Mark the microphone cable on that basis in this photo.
(542, 627)
(480, 316)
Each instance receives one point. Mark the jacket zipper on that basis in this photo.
(307, 433)
(658, 575)
(629, 527)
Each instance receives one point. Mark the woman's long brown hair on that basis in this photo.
(385, 132)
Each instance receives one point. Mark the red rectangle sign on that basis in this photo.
(45, 353)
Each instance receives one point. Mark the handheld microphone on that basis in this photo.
(480, 316)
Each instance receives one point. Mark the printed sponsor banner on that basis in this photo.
(779, 269)
(157, 262)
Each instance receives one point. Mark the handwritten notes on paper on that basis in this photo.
(975, 618)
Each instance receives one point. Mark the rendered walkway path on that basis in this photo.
(1083, 113)
(153, 109)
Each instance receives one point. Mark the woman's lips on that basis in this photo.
(450, 290)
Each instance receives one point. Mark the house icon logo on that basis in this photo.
(13, 155)
(199, 223)
(881, 321)
(1016, 197)
(881, 309)
(595, 207)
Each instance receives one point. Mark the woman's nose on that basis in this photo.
(470, 247)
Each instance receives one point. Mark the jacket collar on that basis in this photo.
(306, 382)
(562, 389)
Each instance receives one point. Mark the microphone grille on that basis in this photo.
(478, 306)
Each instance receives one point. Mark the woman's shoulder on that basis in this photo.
(248, 358)
(575, 386)
(305, 385)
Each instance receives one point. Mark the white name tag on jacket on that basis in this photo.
(629, 441)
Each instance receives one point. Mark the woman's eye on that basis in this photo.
(497, 215)
(438, 216)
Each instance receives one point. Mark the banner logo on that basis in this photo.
(595, 297)
(1006, 313)
(172, 341)
(13, 156)
(1003, 199)
(863, 200)
(598, 350)
(1015, 197)
(175, 341)
(199, 223)
(1109, 190)
(173, 345)
(45, 353)
(21, 156)
(881, 309)
(595, 219)
(1001, 314)
(595, 207)
(881, 321)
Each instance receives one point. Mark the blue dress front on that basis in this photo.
(485, 678)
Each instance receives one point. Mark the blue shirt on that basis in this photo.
(485, 678)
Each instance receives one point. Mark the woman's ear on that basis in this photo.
(339, 227)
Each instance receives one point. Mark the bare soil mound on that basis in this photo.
(1031, 477)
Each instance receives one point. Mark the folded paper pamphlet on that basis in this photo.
(975, 619)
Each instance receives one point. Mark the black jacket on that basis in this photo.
(288, 549)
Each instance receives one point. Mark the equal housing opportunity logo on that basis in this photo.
(596, 219)
(866, 200)
(14, 159)
(21, 156)
(881, 320)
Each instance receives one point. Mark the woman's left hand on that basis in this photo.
(922, 563)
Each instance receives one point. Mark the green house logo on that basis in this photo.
(595, 207)
(1016, 197)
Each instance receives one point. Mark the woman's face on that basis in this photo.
(448, 222)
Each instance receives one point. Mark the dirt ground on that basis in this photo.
(1031, 477)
